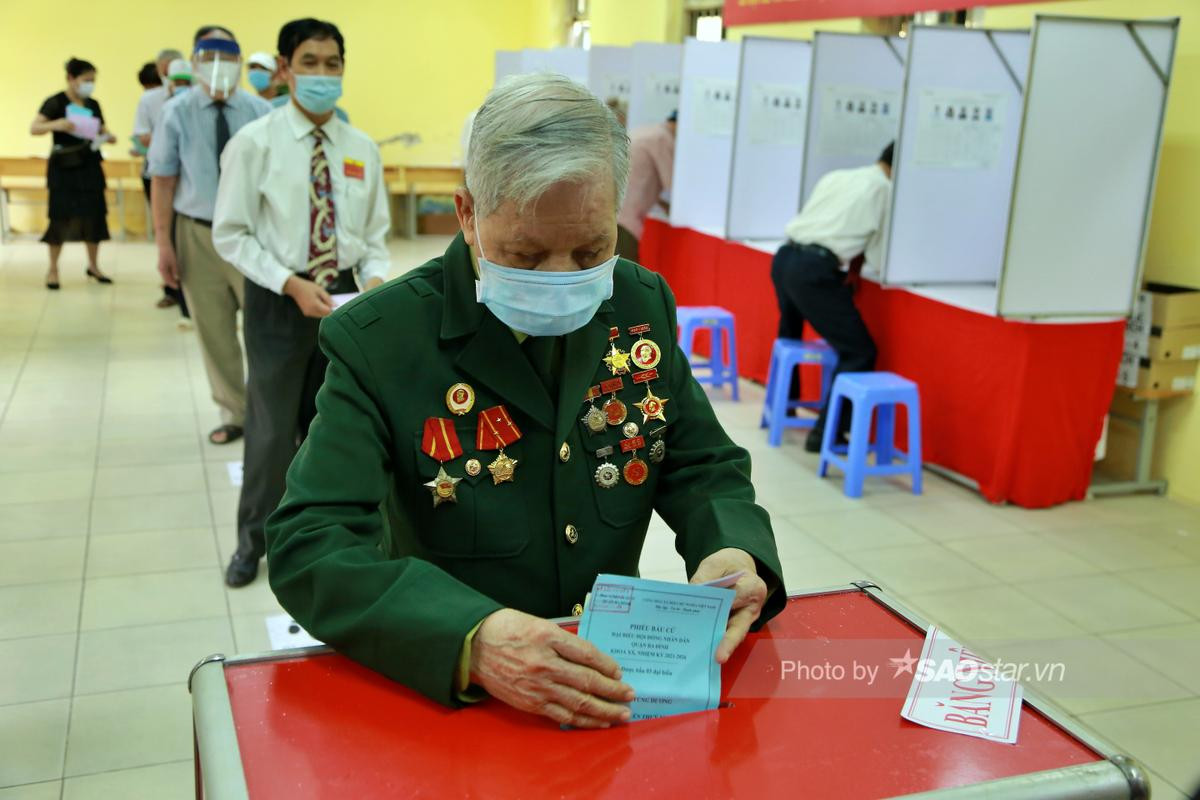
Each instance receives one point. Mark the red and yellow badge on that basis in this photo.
(353, 169)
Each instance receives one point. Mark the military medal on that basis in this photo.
(650, 406)
(617, 360)
(635, 470)
(443, 487)
(607, 474)
(474, 467)
(630, 429)
(615, 411)
(595, 419)
(460, 398)
(495, 431)
(658, 450)
(645, 354)
(440, 442)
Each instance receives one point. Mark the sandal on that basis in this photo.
(231, 432)
(165, 302)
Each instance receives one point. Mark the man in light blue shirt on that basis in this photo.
(184, 158)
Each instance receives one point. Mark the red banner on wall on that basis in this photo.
(750, 12)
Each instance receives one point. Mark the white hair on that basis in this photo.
(537, 130)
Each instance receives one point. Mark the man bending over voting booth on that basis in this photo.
(518, 407)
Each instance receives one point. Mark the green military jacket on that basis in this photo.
(398, 589)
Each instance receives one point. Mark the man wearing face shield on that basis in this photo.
(184, 167)
(528, 345)
(302, 210)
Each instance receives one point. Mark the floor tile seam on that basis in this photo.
(86, 548)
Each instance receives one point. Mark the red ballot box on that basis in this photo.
(313, 724)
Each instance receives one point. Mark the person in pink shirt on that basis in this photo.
(651, 162)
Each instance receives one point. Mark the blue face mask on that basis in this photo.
(318, 93)
(543, 303)
(260, 79)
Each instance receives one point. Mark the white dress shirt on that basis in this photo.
(261, 221)
(846, 214)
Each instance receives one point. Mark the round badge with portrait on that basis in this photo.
(645, 354)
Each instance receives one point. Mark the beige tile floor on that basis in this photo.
(116, 516)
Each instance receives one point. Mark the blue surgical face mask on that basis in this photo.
(318, 93)
(260, 79)
(543, 303)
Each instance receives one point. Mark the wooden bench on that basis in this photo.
(26, 178)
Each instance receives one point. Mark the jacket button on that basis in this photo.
(572, 534)
(564, 453)
(577, 610)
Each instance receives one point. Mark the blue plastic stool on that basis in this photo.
(878, 392)
(786, 355)
(716, 319)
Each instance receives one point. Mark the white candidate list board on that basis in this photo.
(610, 74)
(704, 139)
(508, 62)
(569, 61)
(1086, 168)
(955, 155)
(768, 139)
(853, 102)
(654, 83)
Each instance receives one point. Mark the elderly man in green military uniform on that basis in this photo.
(497, 427)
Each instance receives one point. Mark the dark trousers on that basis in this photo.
(174, 294)
(809, 286)
(285, 369)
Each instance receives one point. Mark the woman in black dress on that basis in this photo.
(74, 176)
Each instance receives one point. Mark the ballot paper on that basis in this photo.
(664, 636)
(234, 468)
(955, 690)
(342, 299)
(285, 633)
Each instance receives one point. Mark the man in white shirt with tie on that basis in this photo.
(302, 206)
(816, 271)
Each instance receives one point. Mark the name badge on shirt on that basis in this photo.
(353, 169)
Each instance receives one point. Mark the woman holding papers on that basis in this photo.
(74, 176)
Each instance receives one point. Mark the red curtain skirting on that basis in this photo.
(1016, 406)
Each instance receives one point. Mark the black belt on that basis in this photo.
(818, 250)
(205, 222)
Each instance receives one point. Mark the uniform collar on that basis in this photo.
(303, 127)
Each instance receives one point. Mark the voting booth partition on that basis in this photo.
(265, 728)
(610, 74)
(569, 61)
(955, 157)
(704, 139)
(1027, 168)
(508, 62)
(854, 103)
(654, 90)
(768, 139)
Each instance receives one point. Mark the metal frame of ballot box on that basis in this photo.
(1113, 776)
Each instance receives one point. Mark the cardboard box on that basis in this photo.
(1173, 306)
(1174, 344)
(1166, 376)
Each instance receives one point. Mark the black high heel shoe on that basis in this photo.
(96, 276)
(53, 285)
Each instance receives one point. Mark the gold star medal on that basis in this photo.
(651, 407)
(617, 360)
(444, 487)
